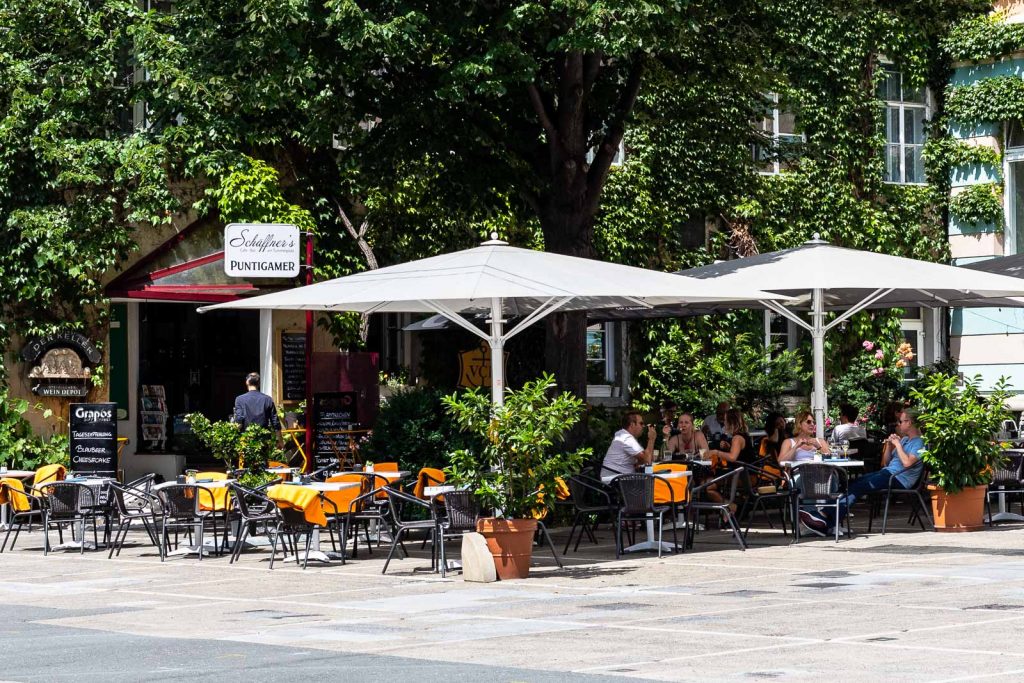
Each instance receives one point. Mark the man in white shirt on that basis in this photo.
(715, 424)
(848, 428)
(625, 453)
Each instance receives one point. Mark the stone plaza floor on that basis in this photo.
(907, 606)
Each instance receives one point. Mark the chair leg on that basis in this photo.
(117, 537)
(885, 515)
(395, 542)
(309, 539)
(273, 546)
(575, 523)
(551, 546)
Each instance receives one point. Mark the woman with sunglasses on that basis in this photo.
(804, 444)
(688, 440)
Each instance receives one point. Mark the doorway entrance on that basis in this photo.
(199, 360)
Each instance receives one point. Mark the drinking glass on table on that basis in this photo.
(844, 445)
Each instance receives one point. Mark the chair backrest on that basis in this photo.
(129, 500)
(428, 476)
(49, 473)
(1009, 472)
(179, 500)
(585, 492)
(462, 510)
(385, 466)
(636, 491)
(66, 499)
(820, 480)
(250, 503)
(400, 501)
(345, 499)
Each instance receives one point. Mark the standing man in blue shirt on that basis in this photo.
(900, 465)
(256, 408)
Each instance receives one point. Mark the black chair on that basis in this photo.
(636, 492)
(589, 498)
(69, 504)
(1007, 480)
(729, 482)
(33, 508)
(179, 510)
(371, 506)
(457, 516)
(766, 490)
(254, 510)
(131, 504)
(918, 495)
(820, 485)
(400, 502)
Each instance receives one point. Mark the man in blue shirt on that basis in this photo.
(256, 408)
(900, 465)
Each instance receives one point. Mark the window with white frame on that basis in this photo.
(600, 355)
(1013, 189)
(906, 110)
(778, 128)
(912, 328)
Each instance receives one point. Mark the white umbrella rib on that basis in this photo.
(864, 303)
(549, 306)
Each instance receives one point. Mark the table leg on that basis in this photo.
(652, 541)
(316, 553)
(1003, 515)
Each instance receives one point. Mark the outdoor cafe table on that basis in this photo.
(838, 462)
(13, 474)
(652, 541)
(203, 484)
(315, 552)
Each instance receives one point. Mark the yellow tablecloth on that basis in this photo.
(670, 490)
(299, 498)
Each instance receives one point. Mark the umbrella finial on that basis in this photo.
(494, 241)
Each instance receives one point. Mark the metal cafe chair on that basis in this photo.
(131, 504)
(69, 504)
(636, 492)
(729, 481)
(821, 485)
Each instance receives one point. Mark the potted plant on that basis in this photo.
(250, 449)
(520, 459)
(958, 425)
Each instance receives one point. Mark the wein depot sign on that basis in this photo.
(261, 250)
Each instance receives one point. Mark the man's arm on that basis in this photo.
(908, 458)
(238, 416)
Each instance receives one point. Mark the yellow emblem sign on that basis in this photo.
(475, 366)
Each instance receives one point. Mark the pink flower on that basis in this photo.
(877, 372)
(868, 345)
(828, 421)
(879, 354)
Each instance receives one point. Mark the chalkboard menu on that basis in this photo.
(333, 411)
(93, 437)
(293, 366)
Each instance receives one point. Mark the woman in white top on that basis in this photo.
(803, 446)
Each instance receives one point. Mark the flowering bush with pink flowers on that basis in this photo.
(874, 378)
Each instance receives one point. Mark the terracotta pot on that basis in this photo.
(964, 511)
(511, 544)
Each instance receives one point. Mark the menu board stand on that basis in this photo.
(334, 411)
(93, 437)
(293, 366)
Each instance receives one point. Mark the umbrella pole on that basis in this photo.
(818, 401)
(497, 343)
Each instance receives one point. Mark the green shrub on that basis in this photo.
(251, 449)
(521, 454)
(20, 447)
(414, 429)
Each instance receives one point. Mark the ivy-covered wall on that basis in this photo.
(984, 105)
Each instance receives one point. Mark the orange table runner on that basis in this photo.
(306, 500)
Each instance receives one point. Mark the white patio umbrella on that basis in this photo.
(822, 278)
(501, 280)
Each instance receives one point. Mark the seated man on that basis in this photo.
(714, 424)
(900, 464)
(625, 453)
(848, 428)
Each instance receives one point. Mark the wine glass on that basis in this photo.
(845, 446)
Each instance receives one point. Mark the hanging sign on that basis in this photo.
(475, 366)
(93, 437)
(261, 250)
(59, 364)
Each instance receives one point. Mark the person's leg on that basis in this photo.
(876, 481)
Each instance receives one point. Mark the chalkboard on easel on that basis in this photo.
(293, 366)
(333, 411)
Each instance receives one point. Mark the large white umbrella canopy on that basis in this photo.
(821, 278)
(503, 281)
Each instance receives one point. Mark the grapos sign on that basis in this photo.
(261, 250)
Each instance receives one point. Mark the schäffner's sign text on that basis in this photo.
(261, 250)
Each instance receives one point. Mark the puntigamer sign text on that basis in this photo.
(261, 250)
